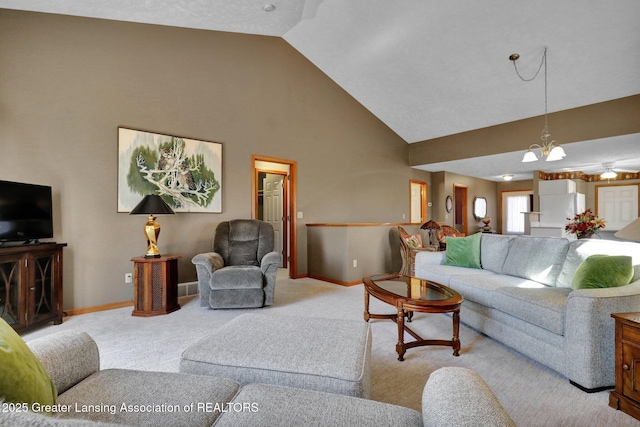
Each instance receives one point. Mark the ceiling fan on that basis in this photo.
(611, 173)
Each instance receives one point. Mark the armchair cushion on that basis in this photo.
(237, 277)
(243, 241)
(243, 253)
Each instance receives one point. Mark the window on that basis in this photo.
(514, 203)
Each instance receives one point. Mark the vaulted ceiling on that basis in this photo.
(430, 68)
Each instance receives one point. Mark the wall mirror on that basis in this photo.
(479, 207)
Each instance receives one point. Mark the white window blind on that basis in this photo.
(514, 218)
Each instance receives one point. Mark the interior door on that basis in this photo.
(461, 222)
(273, 210)
(617, 204)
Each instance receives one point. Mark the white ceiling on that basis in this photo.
(431, 68)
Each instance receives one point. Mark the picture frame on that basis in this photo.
(186, 173)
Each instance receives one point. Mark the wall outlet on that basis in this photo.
(128, 277)
(355, 263)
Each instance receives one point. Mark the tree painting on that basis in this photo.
(185, 173)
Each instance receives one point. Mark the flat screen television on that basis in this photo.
(25, 212)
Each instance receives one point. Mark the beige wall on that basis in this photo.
(605, 119)
(442, 185)
(68, 83)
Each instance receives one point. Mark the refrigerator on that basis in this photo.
(556, 208)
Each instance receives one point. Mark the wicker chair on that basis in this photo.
(443, 232)
(409, 245)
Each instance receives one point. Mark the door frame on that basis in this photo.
(463, 206)
(290, 217)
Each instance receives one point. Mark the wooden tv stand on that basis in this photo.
(31, 284)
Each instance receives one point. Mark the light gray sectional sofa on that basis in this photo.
(522, 297)
(452, 397)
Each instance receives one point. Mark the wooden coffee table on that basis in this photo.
(407, 295)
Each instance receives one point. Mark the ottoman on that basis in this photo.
(319, 354)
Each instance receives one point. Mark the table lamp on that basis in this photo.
(151, 205)
(630, 232)
(430, 225)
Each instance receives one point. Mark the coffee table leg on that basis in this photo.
(366, 305)
(400, 348)
(456, 331)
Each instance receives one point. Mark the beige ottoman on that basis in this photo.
(318, 354)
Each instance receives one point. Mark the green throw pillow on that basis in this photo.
(464, 251)
(23, 379)
(603, 271)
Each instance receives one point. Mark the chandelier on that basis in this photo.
(549, 149)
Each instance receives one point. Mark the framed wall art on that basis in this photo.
(186, 173)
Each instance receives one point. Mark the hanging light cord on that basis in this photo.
(543, 61)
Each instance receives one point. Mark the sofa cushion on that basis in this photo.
(603, 271)
(142, 398)
(444, 273)
(493, 251)
(536, 258)
(480, 288)
(543, 307)
(581, 249)
(38, 419)
(23, 379)
(464, 251)
(270, 405)
(237, 277)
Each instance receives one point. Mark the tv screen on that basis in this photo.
(25, 211)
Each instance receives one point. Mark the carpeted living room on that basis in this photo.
(532, 394)
(342, 125)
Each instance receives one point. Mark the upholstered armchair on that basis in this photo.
(241, 270)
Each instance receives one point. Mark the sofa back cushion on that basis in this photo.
(536, 258)
(581, 249)
(493, 251)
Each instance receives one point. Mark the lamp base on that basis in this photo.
(151, 232)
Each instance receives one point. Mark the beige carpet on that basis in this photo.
(532, 394)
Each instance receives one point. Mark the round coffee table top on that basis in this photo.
(414, 293)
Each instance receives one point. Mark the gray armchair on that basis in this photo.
(241, 270)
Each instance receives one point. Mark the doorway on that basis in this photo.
(273, 187)
(272, 206)
(418, 208)
(460, 222)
